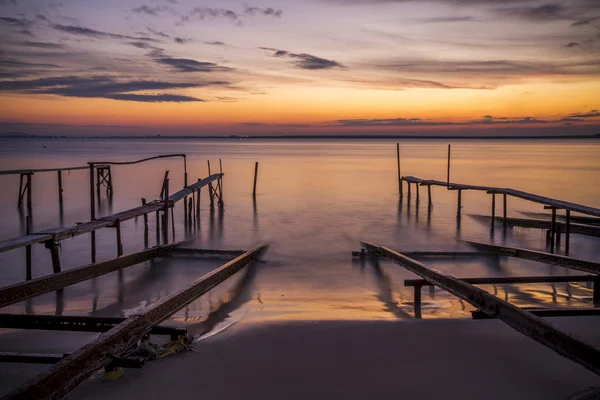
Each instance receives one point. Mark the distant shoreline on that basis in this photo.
(303, 137)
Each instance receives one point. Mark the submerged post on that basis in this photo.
(53, 247)
(459, 205)
(92, 211)
(28, 250)
(29, 199)
(399, 175)
(567, 230)
(430, 203)
(119, 242)
(504, 211)
(166, 213)
(553, 230)
(448, 174)
(255, 177)
(60, 188)
(417, 301)
(198, 203)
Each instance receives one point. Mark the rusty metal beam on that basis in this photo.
(21, 291)
(524, 322)
(59, 379)
(539, 256)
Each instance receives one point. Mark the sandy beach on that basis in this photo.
(451, 359)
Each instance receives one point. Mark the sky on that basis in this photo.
(290, 67)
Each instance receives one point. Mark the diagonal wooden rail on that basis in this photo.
(541, 331)
(65, 375)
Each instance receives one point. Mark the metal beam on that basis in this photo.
(524, 322)
(21, 291)
(59, 379)
(539, 256)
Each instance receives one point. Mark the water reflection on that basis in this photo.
(385, 291)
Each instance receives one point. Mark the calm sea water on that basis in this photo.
(316, 201)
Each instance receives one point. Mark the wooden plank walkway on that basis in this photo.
(561, 227)
(58, 234)
(555, 203)
(543, 332)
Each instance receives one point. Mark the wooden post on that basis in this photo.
(221, 184)
(553, 230)
(567, 231)
(173, 220)
(190, 212)
(92, 199)
(20, 200)
(28, 250)
(430, 203)
(448, 174)
(417, 301)
(185, 176)
(399, 175)
(53, 247)
(408, 184)
(198, 203)
(60, 188)
(29, 196)
(145, 218)
(119, 242)
(493, 207)
(504, 211)
(417, 187)
(459, 205)
(166, 212)
(255, 177)
(208, 162)
(157, 228)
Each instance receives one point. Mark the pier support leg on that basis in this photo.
(145, 226)
(21, 193)
(409, 194)
(493, 208)
(399, 175)
(198, 203)
(567, 231)
(29, 196)
(459, 204)
(504, 209)
(93, 242)
(417, 187)
(553, 230)
(417, 302)
(54, 253)
(166, 213)
(28, 251)
(60, 188)
(157, 228)
(429, 201)
(119, 241)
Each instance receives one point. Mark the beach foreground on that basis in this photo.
(451, 359)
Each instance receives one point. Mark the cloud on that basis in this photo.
(144, 9)
(158, 33)
(304, 60)
(217, 43)
(181, 40)
(544, 12)
(447, 19)
(43, 45)
(572, 44)
(26, 32)
(592, 114)
(88, 32)
(107, 87)
(11, 63)
(17, 22)
(264, 11)
(584, 21)
(42, 17)
(188, 65)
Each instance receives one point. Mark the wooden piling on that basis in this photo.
(459, 204)
(173, 220)
(60, 188)
(93, 241)
(29, 195)
(568, 231)
(417, 302)
(166, 212)
(408, 184)
(448, 173)
(92, 194)
(430, 202)
(20, 199)
(504, 208)
(255, 177)
(54, 254)
(399, 175)
(28, 275)
(198, 203)
(119, 240)
(493, 208)
(553, 230)
(145, 218)
(157, 227)
(417, 187)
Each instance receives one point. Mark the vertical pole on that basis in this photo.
(553, 230)
(459, 205)
(493, 207)
(28, 250)
(185, 180)
(430, 203)
(417, 187)
(157, 227)
(119, 242)
(54, 254)
(109, 186)
(190, 212)
(166, 213)
(567, 231)
(417, 302)
(60, 187)
(504, 210)
(399, 175)
(29, 195)
(173, 220)
(208, 161)
(408, 184)
(448, 174)
(198, 203)
(255, 177)
(20, 202)
(92, 211)
(145, 226)
(221, 203)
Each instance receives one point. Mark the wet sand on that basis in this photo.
(450, 359)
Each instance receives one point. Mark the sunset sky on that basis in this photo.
(300, 67)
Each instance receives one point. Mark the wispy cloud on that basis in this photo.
(264, 11)
(107, 87)
(217, 43)
(304, 60)
(181, 40)
(544, 12)
(202, 13)
(186, 64)
(158, 33)
(438, 20)
(43, 45)
(17, 22)
(93, 33)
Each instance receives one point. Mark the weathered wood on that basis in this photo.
(255, 178)
(60, 188)
(553, 230)
(427, 254)
(459, 203)
(565, 344)
(62, 377)
(31, 171)
(28, 251)
(497, 280)
(24, 290)
(399, 175)
(548, 312)
(448, 174)
(561, 227)
(547, 258)
(119, 239)
(567, 231)
(55, 255)
(61, 233)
